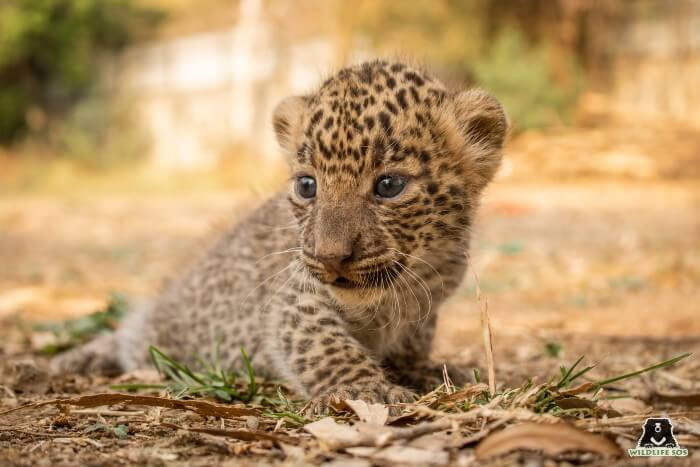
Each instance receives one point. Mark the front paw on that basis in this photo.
(370, 392)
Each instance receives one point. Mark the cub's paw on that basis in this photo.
(370, 392)
(425, 378)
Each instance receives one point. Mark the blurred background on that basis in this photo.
(132, 130)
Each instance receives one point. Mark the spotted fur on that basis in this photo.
(359, 325)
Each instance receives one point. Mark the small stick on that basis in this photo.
(485, 331)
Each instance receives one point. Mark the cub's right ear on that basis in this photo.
(287, 120)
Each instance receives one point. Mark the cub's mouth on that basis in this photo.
(378, 278)
(344, 283)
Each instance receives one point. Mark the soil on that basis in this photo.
(604, 268)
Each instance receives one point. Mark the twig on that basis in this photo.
(109, 413)
(485, 329)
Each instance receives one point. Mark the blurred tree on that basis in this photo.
(49, 54)
(522, 51)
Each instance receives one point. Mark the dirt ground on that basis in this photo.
(608, 268)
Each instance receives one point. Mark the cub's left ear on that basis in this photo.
(287, 120)
(483, 124)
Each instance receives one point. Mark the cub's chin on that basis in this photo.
(354, 297)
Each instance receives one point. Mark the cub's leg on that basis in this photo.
(412, 367)
(320, 357)
(97, 356)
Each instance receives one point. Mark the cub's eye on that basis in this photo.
(306, 187)
(389, 186)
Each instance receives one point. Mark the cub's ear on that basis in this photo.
(287, 119)
(483, 124)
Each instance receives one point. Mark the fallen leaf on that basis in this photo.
(465, 393)
(628, 406)
(585, 387)
(403, 455)
(373, 414)
(332, 434)
(551, 439)
(243, 435)
(203, 408)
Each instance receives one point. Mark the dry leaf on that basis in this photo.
(465, 393)
(243, 435)
(585, 387)
(331, 434)
(552, 439)
(334, 436)
(628, 406)
(403, 455)
(203, 408)
(372, 414)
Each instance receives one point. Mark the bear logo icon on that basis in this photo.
(657, 433)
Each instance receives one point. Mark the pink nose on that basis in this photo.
(334, 263)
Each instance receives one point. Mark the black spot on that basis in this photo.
(322, 374)
(316, 117)
(385, 121)
(364, 373)
(401, 98)
(433, 188)
(391, 83)
(329, 123)
(365, 73)
(392, 108)
(396, 67)
(369, 122)
(304, 345)
(411, 76)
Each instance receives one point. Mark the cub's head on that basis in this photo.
(387, 167)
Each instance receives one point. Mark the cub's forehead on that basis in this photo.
(365, 115)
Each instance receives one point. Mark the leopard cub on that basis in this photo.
(333, 284)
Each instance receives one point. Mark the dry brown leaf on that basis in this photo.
(243, 435)
(372, 414)
(404, 455)
(203, 408)
(585, 387)
(551, 439)
(465, 393)
(331, 434)
(334, 436)
(628, 406)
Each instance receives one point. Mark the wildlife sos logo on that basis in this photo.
(657, 439)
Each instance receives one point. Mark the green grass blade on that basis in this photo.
(252, 385)
(563, 381)
(658, 366)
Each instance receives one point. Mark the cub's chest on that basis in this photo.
(385, 331)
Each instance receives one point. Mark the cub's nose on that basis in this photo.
(335, 263)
